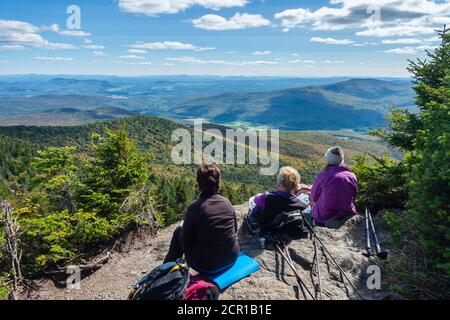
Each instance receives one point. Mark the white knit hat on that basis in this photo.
(334, 156)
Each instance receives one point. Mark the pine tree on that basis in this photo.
(425, 138)
(116, 169)
(56, 175)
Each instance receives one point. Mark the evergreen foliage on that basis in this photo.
(422, 232)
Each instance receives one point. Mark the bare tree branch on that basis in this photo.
(12, 239)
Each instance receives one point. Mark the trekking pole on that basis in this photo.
(368, 246)
(380, 254)
(296, 274)
(296, 271)
(317, 259)
(332, 258)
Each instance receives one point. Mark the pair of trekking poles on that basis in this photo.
(370, 229)
(282, 249)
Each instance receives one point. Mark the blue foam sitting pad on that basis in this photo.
(244, 267)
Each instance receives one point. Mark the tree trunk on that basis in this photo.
(12, 234)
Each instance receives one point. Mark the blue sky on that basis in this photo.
(218, 37)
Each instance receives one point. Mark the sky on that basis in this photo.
(311, 38)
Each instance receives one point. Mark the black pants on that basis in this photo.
(175, 249)
(176, 252)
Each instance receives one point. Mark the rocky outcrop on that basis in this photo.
(274, 281)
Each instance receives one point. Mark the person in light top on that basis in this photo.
(283, 199)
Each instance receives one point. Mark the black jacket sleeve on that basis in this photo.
(187, 236)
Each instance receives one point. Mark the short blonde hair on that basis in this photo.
(288, 179)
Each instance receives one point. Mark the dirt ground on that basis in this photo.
(274, 281)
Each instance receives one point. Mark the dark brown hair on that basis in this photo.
(208, 178)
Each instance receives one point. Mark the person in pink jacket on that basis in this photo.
(334, 191)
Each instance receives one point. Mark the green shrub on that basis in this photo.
(89, 228)
(423, 231)
(4, 289)
(47, 239)
(381, 183)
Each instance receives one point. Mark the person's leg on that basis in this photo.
(175, 249)
(336, 224)
(311, 220)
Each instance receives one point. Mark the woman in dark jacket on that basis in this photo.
(208, 236)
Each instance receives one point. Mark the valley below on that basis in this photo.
(286, 104)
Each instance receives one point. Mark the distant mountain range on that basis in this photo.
(353, 104)
(66, 116)
(288, 104)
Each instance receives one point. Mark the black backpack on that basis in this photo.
(167, 282)
(288, 222)
(286, 227)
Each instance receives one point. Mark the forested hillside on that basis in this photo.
(76, 187)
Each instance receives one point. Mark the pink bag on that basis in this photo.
(201, 289)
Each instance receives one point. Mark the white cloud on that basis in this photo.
(410, 50)
(262, 53)
(74, 33)
(411, 40)
(17, 26)
(405, 50)
(53, 27)
(138, 51)
(333, 61)
(426, 47)
(93, 47)
(397, 17)
(168, 45)
(293, 17)
(441, 20)
(192, 60)
(53, 59)
(403, 30)
(296, 61)
(12, 47)
(69, 33)
(100, 54)
(332, 41)
(143, 63)
(132, 57)
(402, 41)
(59, 46)
(17, 35)
(236, 22)
(155, 7)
